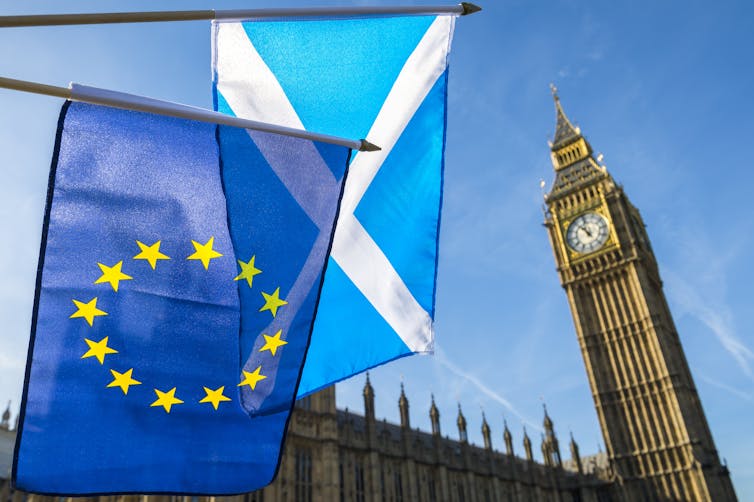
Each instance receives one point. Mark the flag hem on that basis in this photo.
(38, 286)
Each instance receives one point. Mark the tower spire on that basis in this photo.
(434, 417)
(527, 446)
(508, 439)
(462, 435)
(575, 457)
(5, 423)
(568, 147)
(403, 408)
(565, 131)
(368, 400)
(547, 422)
(571, 156)
(486, 433)
(550, 440)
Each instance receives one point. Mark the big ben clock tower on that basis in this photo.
(657, 438)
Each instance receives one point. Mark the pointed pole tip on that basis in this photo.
(469, 8)
(366, 146)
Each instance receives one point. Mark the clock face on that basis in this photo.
(587, 233)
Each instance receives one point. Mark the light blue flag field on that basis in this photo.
(379, 78)
(179, 276)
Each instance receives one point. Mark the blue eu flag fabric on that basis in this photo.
(379, 78)
(179, 276)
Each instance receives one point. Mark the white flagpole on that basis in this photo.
(461, 9)
(98, 96)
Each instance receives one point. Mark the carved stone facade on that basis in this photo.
(333, 455)
(657, 437)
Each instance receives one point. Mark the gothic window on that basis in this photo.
(257, 496)
(461, 493)
(303, 475)
(342, 481)
(432, 489)
(305, 403)
(383, 491)
(397, 485)
(358, 470)
(419, 486)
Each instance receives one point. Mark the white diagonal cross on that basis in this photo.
(252, 91)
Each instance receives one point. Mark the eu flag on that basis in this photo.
(179, 275)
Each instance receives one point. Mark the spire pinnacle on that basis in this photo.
(575, 456)
(507, 438)
(5, 423)
(461, 425)
(527, 446)
(565, 131)
(368, 400)
(486, 433)
(547, 421)
(368, 389)
(403, 409)
(434, 416)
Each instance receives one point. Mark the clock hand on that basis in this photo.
(586, 230)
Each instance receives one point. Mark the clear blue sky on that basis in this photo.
(663, 89)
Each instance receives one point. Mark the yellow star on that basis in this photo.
(87, 310)
(113, 275)
(204, 252)
(251, 379)
(123, 380)
(272, 302)
(98, 350)
(248, 271)
(214, 396)
(150, 253)
(166, 399)
(272, 343)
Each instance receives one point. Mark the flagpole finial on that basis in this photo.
(366, 146)
(469, 8)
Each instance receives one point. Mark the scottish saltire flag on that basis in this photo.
(385, 79)
(177, 286)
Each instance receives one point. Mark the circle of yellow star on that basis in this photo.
(150, 253)
(214, 396)
(248, 271)
(166, 399)
(272, 302)
(87, 310)
(204, 252)
(123, 380)
(252, 378)
(113, 275)
(98, 350)
(272, 343)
